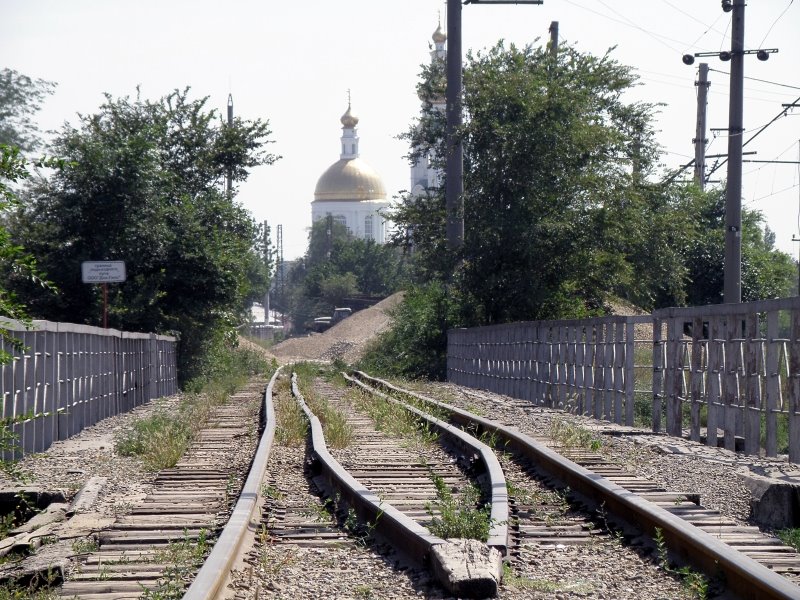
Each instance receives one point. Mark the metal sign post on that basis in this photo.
(104, 272)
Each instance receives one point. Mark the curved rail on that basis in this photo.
(498, 533)
(214, 574)
(447, 560)
(743, 575)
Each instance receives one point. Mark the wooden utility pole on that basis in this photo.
(733, 194)
(229, 179)
(553, 38)
(700, 139)
(454, 185)
(454, 165)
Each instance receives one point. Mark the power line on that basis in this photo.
(775, 22)
(786, 85)
(656, 36)
(791, 187)
(756, 134)
(691, 16)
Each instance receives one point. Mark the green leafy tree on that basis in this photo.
(766, 272)
(144, 184)
(14, 169)
(337, 266)
(554, 159)
(20, 98)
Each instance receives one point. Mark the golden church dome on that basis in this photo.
(350, 179)
(439, 37)
(348, 119)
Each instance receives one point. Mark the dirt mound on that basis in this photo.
(345, 340)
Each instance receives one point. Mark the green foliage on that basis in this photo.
(182, 559)
(569, 435)
(693, 582)
(766, 272)
(162, 438)
(458, 516)
(143, 185)
(14, 259)
(42, 587)
(338, 432)
(790, 537)
(416, 344)
(337, 266)
(20, 98)
(559, 214)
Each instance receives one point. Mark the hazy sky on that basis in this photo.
(292, 63)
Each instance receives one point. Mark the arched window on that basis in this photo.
(368, 234)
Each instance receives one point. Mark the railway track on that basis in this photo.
(751, 563)
(300, 528)
(155, 545)
(364, 519)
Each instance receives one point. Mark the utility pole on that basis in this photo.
(281, 272)
(732, 289)
(229, 182)
(700, 139)
(553, 38)
(454, 186)
(269, 283)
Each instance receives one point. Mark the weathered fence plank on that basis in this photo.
(70, 376)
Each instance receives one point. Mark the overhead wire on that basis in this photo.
(786, 85)
(628, 23)
(778, 18)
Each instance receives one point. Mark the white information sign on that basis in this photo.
(107, 271)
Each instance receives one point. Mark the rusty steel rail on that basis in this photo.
(405, 533)
(744, 576)
(215, 572)
(498, 533)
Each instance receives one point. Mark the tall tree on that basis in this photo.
(143, 184)
(553, 159)
(20, 98)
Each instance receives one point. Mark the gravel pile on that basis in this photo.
(345, 340)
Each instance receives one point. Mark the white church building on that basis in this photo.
(350, 191)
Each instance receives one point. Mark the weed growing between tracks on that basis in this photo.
(41, 588)
(693, 582)
(790, 537)
(162, 438)
(182, 558)
(458, 516)
(569, 435)
(291, 425)
(338, 432)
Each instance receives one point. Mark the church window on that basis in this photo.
(368, 234)
(341, 219)
(352, 148)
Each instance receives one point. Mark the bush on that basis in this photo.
(416, 345)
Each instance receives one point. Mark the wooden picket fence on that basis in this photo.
(68, 377)
(727, 373)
